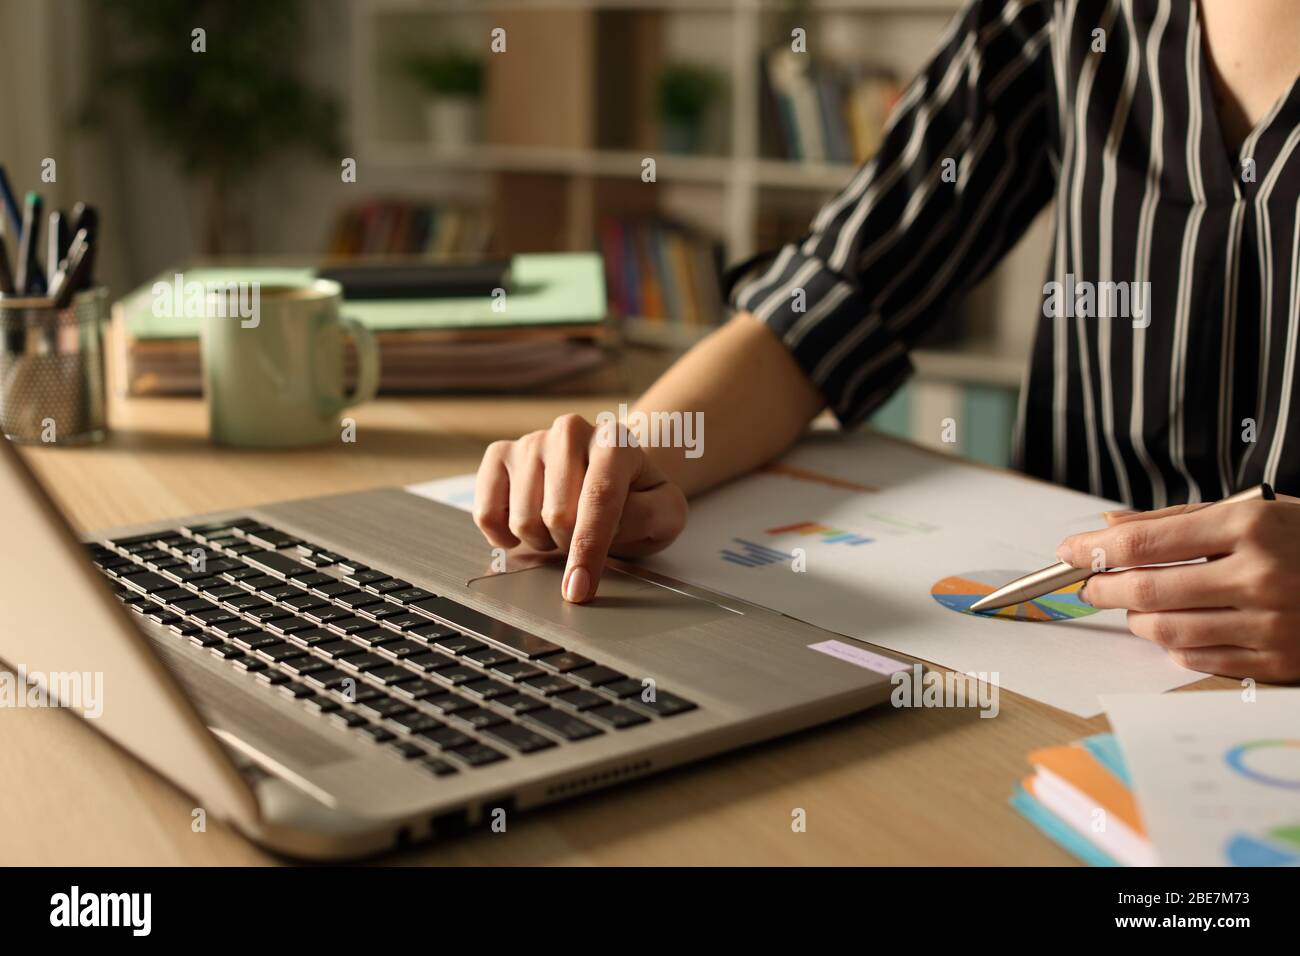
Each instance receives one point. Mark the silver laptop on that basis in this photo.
(337, 676)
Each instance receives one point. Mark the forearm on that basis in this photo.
(752, 401)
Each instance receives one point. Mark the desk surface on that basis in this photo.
(887, 787)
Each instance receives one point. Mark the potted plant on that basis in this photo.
(686, 94)
(222, 113)
(454, 82)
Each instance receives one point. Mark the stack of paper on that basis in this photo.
(1079, 796)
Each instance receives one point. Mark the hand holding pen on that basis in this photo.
(1236, 613)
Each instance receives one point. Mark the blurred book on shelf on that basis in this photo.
(400, 227)
(823, 112)
(663, 279)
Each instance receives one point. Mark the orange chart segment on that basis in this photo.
(960, 591)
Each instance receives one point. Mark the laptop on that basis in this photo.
(338, 676)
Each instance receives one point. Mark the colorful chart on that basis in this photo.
(959, 592)
(1275, 763)
(1279, 846)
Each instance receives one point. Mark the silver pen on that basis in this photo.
(1059, 575)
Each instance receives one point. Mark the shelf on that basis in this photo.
(677, 167)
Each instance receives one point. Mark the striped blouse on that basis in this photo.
(1164, 355)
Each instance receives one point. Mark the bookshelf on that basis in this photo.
(569, 119)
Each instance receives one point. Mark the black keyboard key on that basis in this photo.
(288, 624)
(480, 717)
(147, 538)
(378, 734)
(448, 703)
(595, 675)
(383, 610)
(409, 595)
(518, 738)
(147, 582)
(280, 651)
(628, 687)
(333, 588)
(184, 629)
(280, 592)
(205, 640)
(406, 749)
(327, 613)
(349, 719)
(417, 689)
(365, 662)
(446, 737)
(414, 722)
(267, 615)
(437, 766)
(375, 637)
(384, 707)
(358, 626)
(664, 704)
(487, 688)
(280, 565)
(458, 615)
(270, 538)
(580, 700)
(458, 644)
(357, 599)
(366, 577)
(250, 664)
(225, 592)
(406, 620)
(327, 678)
(431, 631)
(227, 651)
(562, 724)
(306, 603)
(296, 690)
(235, 628)
(398, 649)
(391, 674)
(568, 661)
(313, 637)
(214, 616)
(456, 675)
(477, 755)
(431, 661)
(549, 684)
(489, 657)
(520, 703)
(255, 639)
(303, 665)
(613, 715)
(173, 595)
(346, 564)
(339, 648)
(320, 705)
(389, 586)
(516, 670)
(272, 677)
(313, 580)
(243, 601)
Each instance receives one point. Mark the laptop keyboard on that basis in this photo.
(432, 680)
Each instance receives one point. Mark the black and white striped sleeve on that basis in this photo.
(964, 168)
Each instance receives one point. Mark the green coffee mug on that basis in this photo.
(273, 365)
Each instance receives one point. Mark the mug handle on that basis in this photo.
(367, 364)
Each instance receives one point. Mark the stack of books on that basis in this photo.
(552, 327)
(1081, 796)
(661, 275)
(824, 112)
(400, 227)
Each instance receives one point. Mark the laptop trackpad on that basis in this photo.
(625, 606)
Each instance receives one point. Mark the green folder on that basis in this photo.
(547, 289)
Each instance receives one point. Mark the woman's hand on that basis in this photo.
(579, 489)
(1236, 614)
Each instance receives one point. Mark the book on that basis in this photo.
(556, 305)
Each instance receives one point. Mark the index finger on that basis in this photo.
(610, 472)
(1164, 540)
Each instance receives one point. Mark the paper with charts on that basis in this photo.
(1217, 774)
(891, 543)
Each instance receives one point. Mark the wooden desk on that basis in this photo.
(889, 787)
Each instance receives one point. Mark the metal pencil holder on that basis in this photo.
(52, 369)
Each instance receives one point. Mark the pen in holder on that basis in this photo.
(52, 369)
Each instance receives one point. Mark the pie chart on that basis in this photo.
(960, 591)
